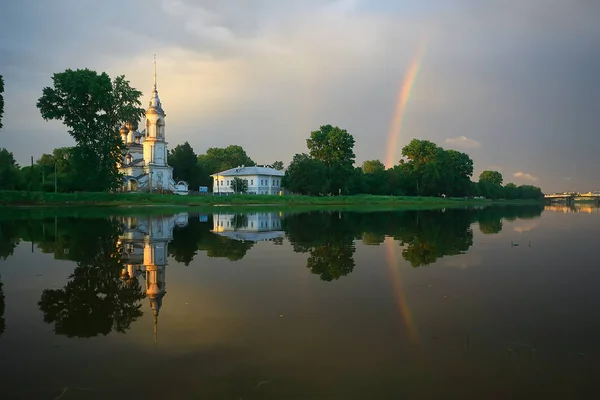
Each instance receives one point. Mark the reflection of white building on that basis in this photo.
(144, 246)
(253, 227)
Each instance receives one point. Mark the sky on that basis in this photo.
(513, 83)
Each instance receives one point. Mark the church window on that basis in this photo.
(252, 182)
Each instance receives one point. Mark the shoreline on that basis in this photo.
(42, 200)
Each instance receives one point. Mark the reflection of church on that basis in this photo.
(144, 246)
(252, 227)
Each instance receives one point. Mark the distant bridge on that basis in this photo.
(570, 197)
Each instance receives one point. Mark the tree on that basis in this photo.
(185, 164)
(372, 166)
(335, 148)
(1, 99)
(221, 159)
(239, 185)
(93, 107)
(424, 167)
(376, 179)
(278, 165)
(457, 169)
(493, 177)
(9, 171)
(305, 175)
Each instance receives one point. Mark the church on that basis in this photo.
(144, 166)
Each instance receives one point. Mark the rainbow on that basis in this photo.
(392, 261)
(403, 95)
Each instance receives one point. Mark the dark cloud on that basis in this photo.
(519, 77)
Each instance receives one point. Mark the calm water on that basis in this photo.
(497, 303)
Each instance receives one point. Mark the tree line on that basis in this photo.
(93, 107)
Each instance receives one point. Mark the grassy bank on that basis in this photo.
(16, 198)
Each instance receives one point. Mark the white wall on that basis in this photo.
(257, 184)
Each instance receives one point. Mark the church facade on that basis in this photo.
(144, 165)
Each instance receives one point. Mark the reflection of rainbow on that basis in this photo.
(403, 96)
(392, 261)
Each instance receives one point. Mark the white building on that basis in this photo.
(254, 227)
(261, 180)
(144, 166)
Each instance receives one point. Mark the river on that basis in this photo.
(491, 303)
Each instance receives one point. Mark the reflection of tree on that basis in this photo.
(2, 322)
(240, 221)
(429, 235)
(371, 238)
(233, 250)
(95, 300)
(9, 238)
(328, 237)
(426, 235)
(332, 260)
(188, 240)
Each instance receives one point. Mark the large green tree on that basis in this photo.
(278, 165)
(9, 171)
(335, 148)
(93, 107)
(372, 166)
(185, 164)
(424, 167)
(305, 175)
(493, 177)
(219, 159)
(1, 99)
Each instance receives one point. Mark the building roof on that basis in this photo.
(255, 170)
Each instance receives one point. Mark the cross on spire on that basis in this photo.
(154, 71)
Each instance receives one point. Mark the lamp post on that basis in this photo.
(55, 179)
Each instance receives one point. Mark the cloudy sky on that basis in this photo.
(514, 83)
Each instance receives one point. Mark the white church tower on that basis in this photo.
(145, 165)
(155, 146)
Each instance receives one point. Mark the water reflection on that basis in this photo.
(253, 328)
(122, 260)
(95, 300)
(577, 207)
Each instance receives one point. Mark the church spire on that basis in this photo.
(155, 72)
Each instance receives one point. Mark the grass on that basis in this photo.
(119, 199)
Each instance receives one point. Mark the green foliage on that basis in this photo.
(1, 99)
(93, 108)
(278, 165)
(429, 170)
(306, 175)
(334, 147)
(9, 171)
(239, 185)
(220, 159)
(185, 165)
(372, 166)
(493, 177)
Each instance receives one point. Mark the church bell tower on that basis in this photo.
(155, 147)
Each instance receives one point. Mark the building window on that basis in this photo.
(221, 182)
